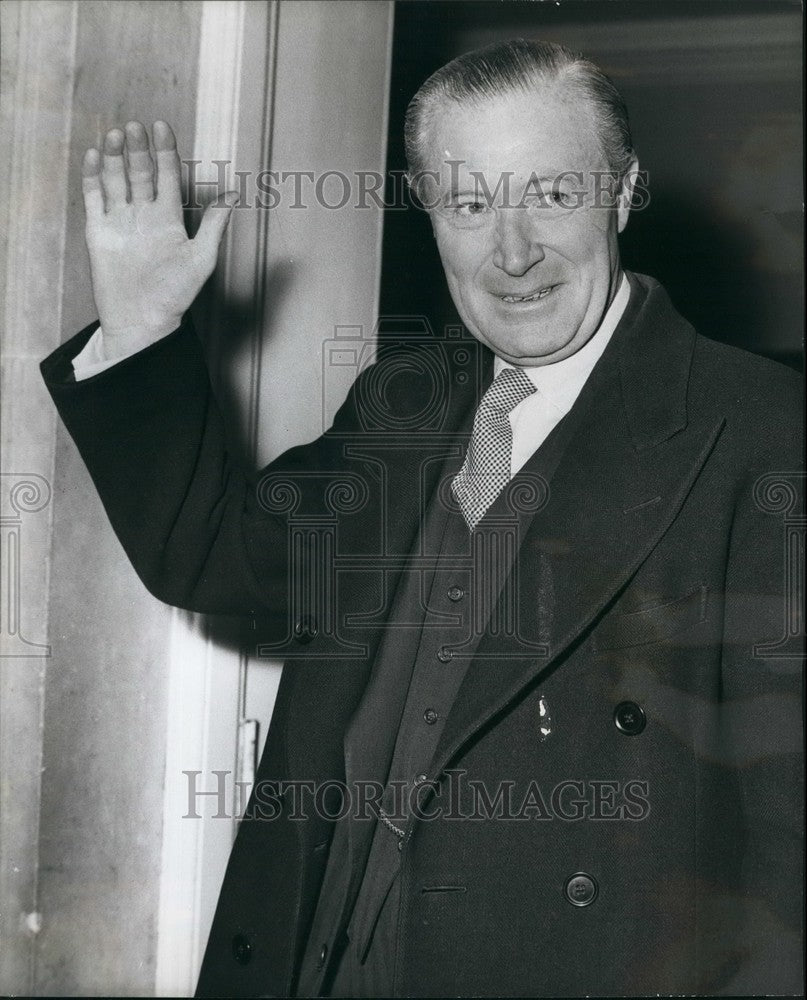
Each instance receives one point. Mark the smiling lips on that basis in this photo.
(534, 297)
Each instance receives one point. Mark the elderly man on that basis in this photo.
(551, 743)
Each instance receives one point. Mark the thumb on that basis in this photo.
(213, 224)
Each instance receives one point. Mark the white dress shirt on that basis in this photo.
(558, 385)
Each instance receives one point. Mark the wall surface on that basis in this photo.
(107, 696)
(79, 915)
(37, 74)
(330, 99)
(105, 699)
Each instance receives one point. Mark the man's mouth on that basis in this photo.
(534, 297)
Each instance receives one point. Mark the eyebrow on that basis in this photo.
(475, 187)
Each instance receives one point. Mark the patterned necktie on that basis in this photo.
(486, 469)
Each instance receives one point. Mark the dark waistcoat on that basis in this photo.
(458, 586)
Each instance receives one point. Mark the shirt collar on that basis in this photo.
(560, 383)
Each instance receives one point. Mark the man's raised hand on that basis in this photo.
(145, 270)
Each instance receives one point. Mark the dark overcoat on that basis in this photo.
(654, 573)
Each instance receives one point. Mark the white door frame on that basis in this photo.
(266, 67)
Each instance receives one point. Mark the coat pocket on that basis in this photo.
(653, 624)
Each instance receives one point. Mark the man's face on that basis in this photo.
(531, 263)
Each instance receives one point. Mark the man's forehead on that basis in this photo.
(547, 127)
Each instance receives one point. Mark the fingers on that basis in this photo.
(168, 171)
(141, 167)
(113, 172)
(126, 170)
(91, 184)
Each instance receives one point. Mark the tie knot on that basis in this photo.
(507, 390)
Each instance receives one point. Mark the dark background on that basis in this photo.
(714, 95)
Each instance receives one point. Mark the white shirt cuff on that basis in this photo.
(91, 361)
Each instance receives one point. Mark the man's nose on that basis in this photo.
(518, 246)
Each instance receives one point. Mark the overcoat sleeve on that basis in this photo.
(198, 530)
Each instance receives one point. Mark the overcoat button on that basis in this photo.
(455, 593)
(629, 718)
(580, 889)
(430, 716)
(444, 654)
(242, 949)
(305, 629)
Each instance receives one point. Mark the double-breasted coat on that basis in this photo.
(650, 696)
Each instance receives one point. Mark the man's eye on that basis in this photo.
(471, 208)
(564, 199)
(556, 197)
(550, 198)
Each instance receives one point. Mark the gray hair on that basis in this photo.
(519, 64)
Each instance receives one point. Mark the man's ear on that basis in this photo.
(626, 193)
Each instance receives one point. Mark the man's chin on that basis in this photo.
(529, 354)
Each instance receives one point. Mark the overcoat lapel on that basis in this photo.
(631, 460)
